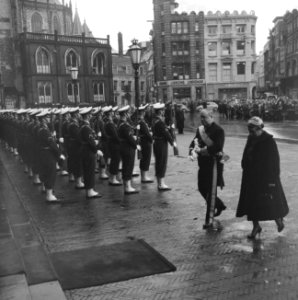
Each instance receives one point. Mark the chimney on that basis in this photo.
(120, 43)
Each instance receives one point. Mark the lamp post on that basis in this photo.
(135, 55)
(74, 72)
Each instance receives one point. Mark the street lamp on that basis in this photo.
(135, 55)
(74, 72)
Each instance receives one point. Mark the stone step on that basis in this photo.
(14, 287)
(47, 291)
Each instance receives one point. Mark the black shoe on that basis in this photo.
(256, 230)
(163, 189)
(280, 224)
(219, 211)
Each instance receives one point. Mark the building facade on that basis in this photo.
(203, 57)
(230, 55)
(124, 76)
(178, 43)
(47, 41)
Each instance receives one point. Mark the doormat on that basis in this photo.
(109, 263)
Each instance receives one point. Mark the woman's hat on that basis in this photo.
(256, 121)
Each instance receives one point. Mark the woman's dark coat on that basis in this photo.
(261, 167)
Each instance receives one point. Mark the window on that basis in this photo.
(163, 49)
(198, 70)
(226, 29)
(164, 73)
(197, 27)
(226, 48)
(179, 27)
(181, 71)
(56, 25)
(227, 72)
(98, 92)
(42, 61)
(44, 92)
(240, 28)
(212, 69)
(294, 68)
(98, 64)
(36, 23)
(212, 48)
(123, 85)
(129, 84)
(71, 60)
(197, 47)
(240, 46)
(115, 85)
(73, 94)
(212, 30)
(253, 46)
(252, 29)
(241, 68)
(253, 64)
(180, 48)
(142, 86)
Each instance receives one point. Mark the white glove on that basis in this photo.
(139, 147)
(191, 158)
(175, 144)
(138, 127)
(62, 157)
(99, 153)
(99, 134)
(135, 137)
(61, 140)
(54, 133)
(173, 126)
(96, 142)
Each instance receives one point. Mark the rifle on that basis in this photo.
(172, 130)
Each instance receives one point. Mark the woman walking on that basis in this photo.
(261, 197)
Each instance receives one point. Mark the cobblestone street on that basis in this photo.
(210, 265)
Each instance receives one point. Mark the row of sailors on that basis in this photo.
(77, 139)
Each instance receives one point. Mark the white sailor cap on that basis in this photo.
(124, 109)
(106, 109)
(115, 108)
(64, 110)
(256, 121)
(143, 107)
(43, 113)
(85, 110)
(158, 106)
(96, 110)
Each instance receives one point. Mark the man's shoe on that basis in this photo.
(219, 211)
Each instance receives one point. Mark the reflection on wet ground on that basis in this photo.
(210, 265)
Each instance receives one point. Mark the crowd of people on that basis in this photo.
(79, 141)
(268, 110)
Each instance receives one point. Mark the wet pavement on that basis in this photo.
(210, 265)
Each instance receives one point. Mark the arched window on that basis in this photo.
(98, 92)
(98, 63)
(56, 25)
(73, 92)
(36, 23)
(68, 26)
(45, 92)
(71, 60)
(42, 61)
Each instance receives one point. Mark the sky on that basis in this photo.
(133, 18)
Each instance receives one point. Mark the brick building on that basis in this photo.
(40, 42)
(200, 56)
